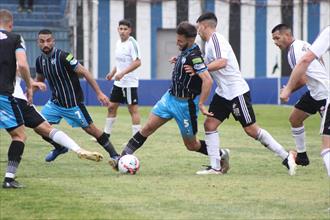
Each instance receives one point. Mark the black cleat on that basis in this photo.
(302, 159)
(12, 185)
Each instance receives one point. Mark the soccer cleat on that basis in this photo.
(209, 171)
(12, 185)
(224, 162)
(94, 156)
(290, 163)
(54, 153)
(114, 162)
(302, 159)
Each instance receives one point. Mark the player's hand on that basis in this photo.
(285, 94)
(39, 85)
(204, 110)
(172, 60)
(103, 99)
(109, 76)
(119, 76)
(189, 70)
(29, 95)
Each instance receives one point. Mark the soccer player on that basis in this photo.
(314, 100)
(125, 88)
(232, 96)
(12, 50)
(33, 119)
(320, 46)
(62, 72)
(185, 97)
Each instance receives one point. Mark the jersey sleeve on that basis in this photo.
(134, 49)
(197, 62)
(38, 66)
(322, 43)
(69, 61)
(20, 43)
(219, 47)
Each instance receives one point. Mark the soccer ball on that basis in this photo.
(128, 164)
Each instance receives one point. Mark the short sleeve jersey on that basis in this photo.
(317, 77)
(126, 53)
(9, 44)
(230, 82)
(59, 69)
(183, 85)
(322, 43)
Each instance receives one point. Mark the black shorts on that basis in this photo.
(240, 107)
(325, 124)
(124, 95)
(309, 105)
(32, 118)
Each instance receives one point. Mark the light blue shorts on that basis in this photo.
(10, 114)
(184, 111)
(76, 116)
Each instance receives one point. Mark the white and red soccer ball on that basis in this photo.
(128, 164)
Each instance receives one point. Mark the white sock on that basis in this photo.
(268, 141)
(299, 137)
(212, 145)
(63, 139)
(135, 129)
(108, 125)
(326, 159)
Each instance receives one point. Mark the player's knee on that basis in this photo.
(251, 131)
(192, 146)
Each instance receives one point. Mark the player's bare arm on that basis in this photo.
(111, 74)
(24, 69)
(217, 64)
(135, 64)
(82, 71)
(297, 73)
(206, 88)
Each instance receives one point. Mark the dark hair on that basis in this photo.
(186, 29)
(207, 16)
(125, 22)
(45, 31)
(281, 27)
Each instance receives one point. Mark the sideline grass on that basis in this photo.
(256, 187)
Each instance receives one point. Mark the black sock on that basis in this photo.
(56, 145)
(203, 149)
(134, 143)
(15, 153)
(107, 145)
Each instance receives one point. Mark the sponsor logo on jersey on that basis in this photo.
(183, 60)
(53, 61)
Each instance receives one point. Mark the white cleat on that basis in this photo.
(292, 166)
(209, 171)
(93, 139)
(224, 162)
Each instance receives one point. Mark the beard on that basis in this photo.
(47, 50)
(184, 47)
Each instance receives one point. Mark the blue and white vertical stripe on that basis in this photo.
(258, 54)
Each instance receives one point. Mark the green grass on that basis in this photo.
(166, 187)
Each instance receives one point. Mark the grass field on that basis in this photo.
(166, 187)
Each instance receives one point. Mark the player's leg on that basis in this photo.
(111, 117)
(306, 106)
(116, 97)
(325, 131)
(221, 108)
(133, 108)
(136, 119)
(12, 120)
(160, 114)
(152, 124)
(244, 113)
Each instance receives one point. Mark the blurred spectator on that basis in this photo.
(22, 7)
